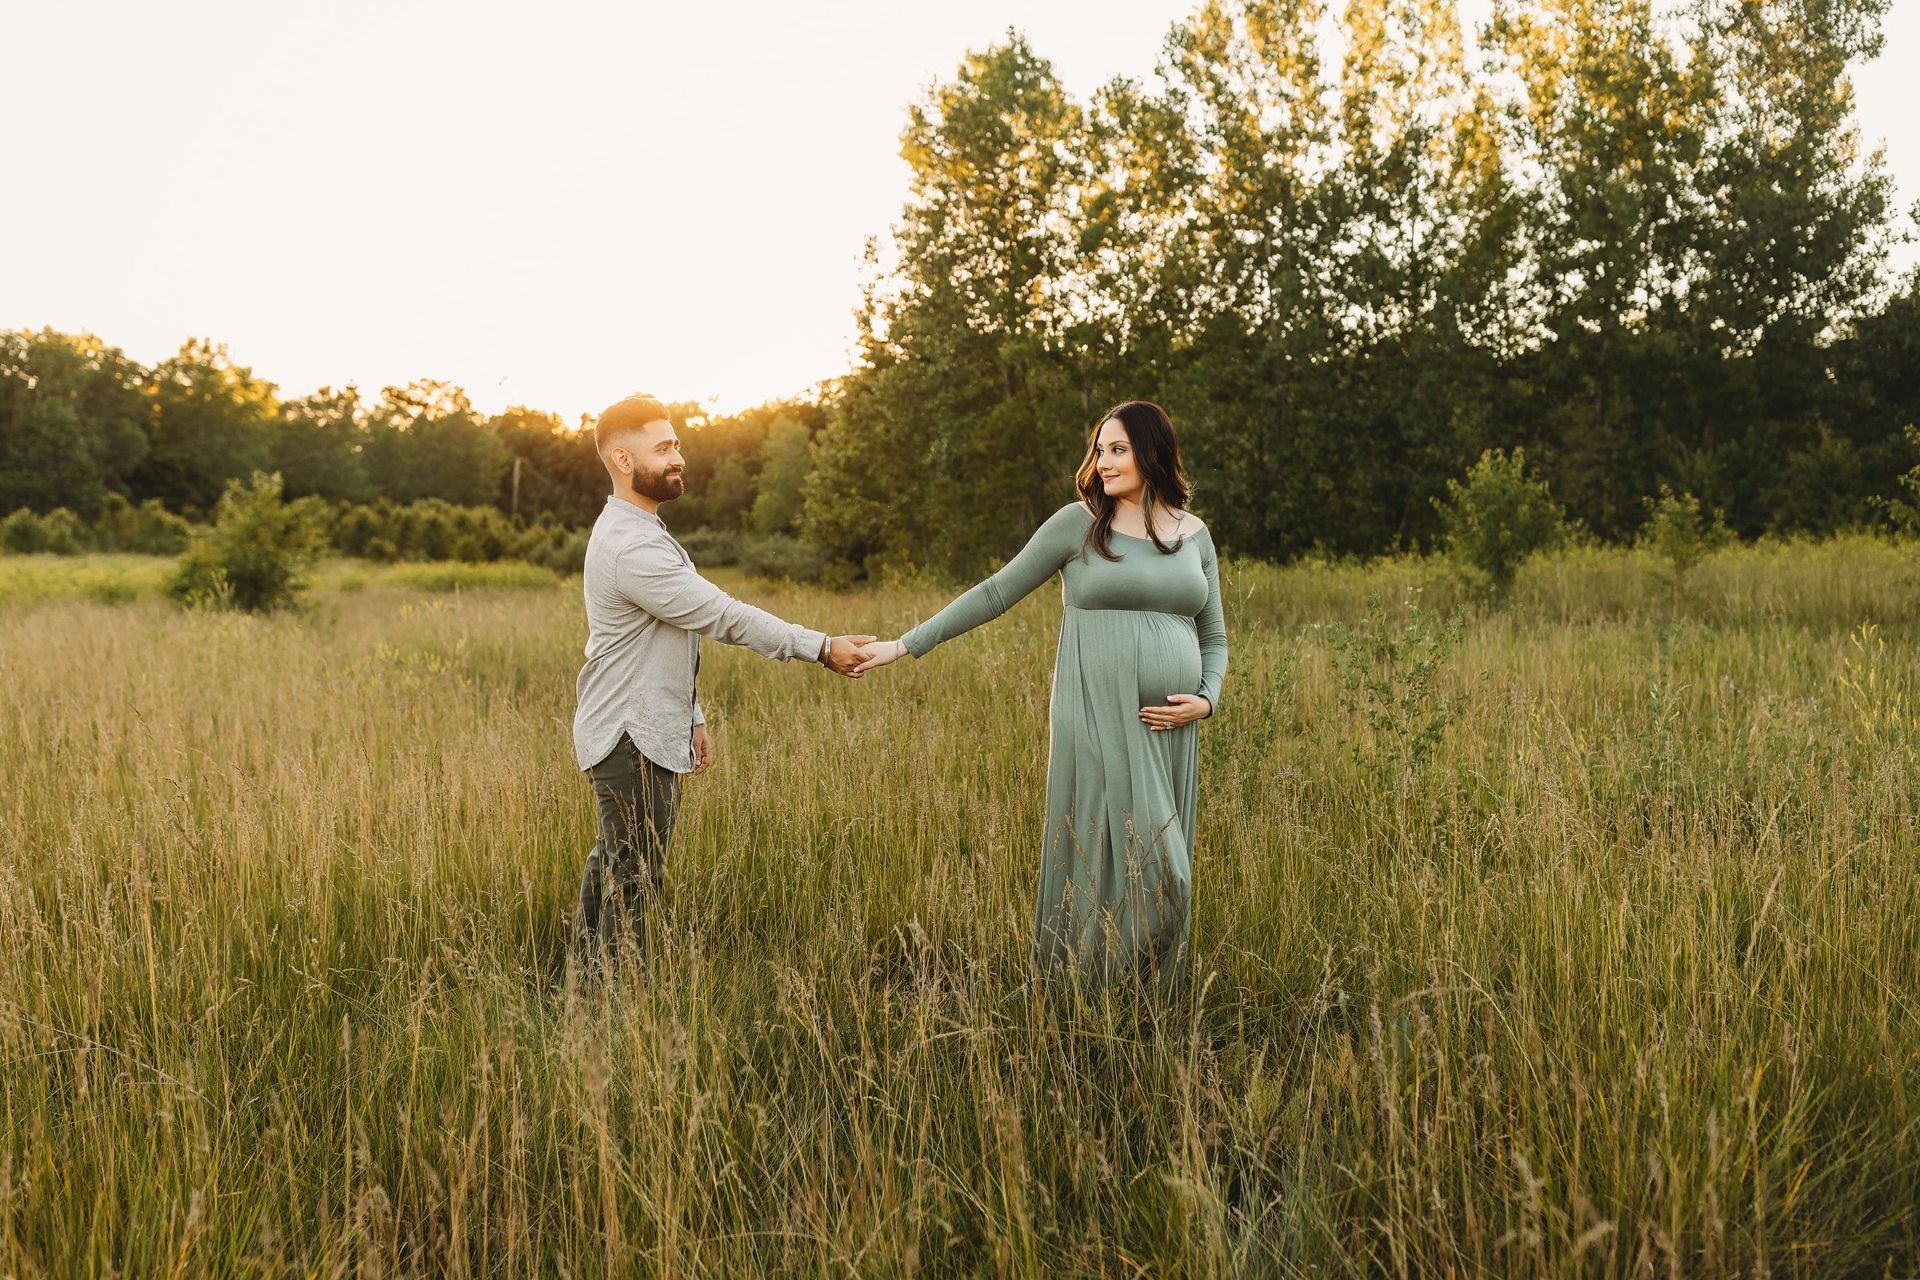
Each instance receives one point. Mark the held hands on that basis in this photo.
(880, 653)
(844, 653)
(1181, 709)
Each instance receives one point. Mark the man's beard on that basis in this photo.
(659, 486)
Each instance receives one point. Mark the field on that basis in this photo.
(1575, 937)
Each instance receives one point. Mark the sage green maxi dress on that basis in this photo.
(1116, 867)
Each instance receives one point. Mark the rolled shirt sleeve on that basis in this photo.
(653, 576)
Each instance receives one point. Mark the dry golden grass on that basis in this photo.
(1621, 980)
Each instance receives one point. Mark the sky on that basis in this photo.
(552, 205)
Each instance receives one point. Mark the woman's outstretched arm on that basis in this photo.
(1051, 546)
(1210, 625)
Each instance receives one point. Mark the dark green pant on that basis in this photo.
(636, 799)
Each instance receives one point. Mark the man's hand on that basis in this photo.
(702, 749)
(845, 653)
(1181, 709)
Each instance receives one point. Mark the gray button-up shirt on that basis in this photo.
(646, 610)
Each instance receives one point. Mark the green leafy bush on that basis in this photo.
(778, 556)
(711, 548)
(564, 551)
(1680, 533)
(258, 554)
(148, 529)
(59, 533)
(1905, 514)
(1499, 517)
(432, 529)
(1389, 672)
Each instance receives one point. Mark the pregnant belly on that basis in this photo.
(1168, 658)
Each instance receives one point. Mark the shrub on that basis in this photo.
(711, 548)
(257, 555)
(355, 531)
(1679, 532)
(776, 556)
(1499, 517)
(1389, 674)
(59, 533)
(1906, 514)
(560, 550)
(148, 529)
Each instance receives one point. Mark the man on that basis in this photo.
(639, 725)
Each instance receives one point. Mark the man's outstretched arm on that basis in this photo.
(661, 583)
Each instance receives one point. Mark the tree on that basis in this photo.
(424, 441)
(318, 446)
(72, 421)
(1499, 517)
(212, 421)
(560, 473)
(785, 461)
(968, 403)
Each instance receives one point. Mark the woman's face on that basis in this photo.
(1113, 461)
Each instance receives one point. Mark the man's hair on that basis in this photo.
(628, 415)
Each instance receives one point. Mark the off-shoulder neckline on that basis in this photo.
(1140, 537)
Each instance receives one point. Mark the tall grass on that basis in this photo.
(117, 578)
(1620, 979)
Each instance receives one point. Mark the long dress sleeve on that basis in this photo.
(1050, 547)
(1210, 624)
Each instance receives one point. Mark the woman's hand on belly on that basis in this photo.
(1181, 709)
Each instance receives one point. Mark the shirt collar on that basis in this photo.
(618, 503)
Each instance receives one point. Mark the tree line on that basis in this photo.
(1641, 242)
(84, 427)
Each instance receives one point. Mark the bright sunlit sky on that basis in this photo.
(551, 204)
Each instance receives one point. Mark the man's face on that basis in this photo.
(654, 452)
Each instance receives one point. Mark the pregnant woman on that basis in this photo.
(1143, 648)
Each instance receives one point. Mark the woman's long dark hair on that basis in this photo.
(1156, 454)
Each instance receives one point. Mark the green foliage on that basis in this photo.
(1905, 512)
(778, 556)
(1680, 533)
(72, 420)
(425, 441)
(148, 529)
(88, 577)
(765, 555)
(432, 529)
(1389, 672)
(781, 491)
(561, 475)
(1500, 516)
(258, 554)
(212, 422)
(59, 533)
(1642, 240)
(710, 548)
(563, 551)
(728, 495)
(318, 446)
